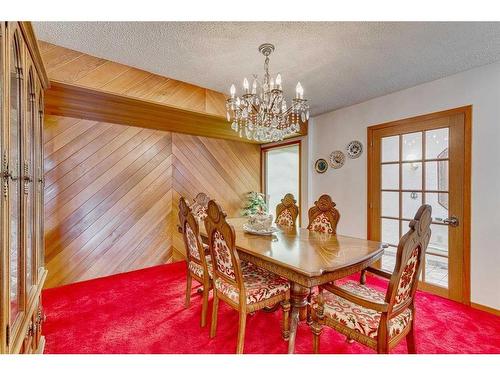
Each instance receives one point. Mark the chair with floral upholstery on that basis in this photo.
(287, 212)
(198, 260)
(242, 285)
(376, 319)
(323, 216)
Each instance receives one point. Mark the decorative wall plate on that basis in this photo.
(337, 159)
(354, 149)
(321, 165)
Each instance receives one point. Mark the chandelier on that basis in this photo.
(261, 113)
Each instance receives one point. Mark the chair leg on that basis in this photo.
(188, 289)
(382, 350)
(362, 278)
(204, 306)
(383, 347)
(241, 332)
(213, 327)
(410, 341)
(316, 329)
(285, 330)
(309, 315)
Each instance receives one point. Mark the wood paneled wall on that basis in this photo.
(77, 68)
(224, 170)
(112, 192)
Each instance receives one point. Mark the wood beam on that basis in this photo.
(63, 99)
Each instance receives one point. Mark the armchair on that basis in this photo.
(373, 318)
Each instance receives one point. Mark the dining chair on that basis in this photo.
(242, 285)
(199, 262)
(199, 206)
(287, 212)
(323, 216)
(376, 319)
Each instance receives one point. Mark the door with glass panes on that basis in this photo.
(424, 159)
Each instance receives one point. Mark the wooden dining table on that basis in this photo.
(307, 259)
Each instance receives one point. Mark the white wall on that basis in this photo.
(348, 185)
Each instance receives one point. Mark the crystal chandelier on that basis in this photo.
(261, 113)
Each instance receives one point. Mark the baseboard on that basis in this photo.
(491, 310)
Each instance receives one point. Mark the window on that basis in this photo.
(281, 173)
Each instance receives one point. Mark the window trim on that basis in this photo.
(263, 151)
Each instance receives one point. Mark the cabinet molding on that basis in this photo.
(34, 50)
(22, 271)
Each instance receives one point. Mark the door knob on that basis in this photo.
(451, 221)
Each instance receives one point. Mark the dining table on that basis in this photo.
(305, 258)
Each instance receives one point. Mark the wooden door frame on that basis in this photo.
(466, 219)
(263, 183)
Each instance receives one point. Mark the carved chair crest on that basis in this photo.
(202, 199)
(323, 216)
(287, 211)
(199, 205)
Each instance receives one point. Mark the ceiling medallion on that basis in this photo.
(261, 113)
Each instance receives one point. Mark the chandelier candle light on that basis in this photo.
(261, 113)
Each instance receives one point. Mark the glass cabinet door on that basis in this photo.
(14, 192)
(28, 189)
(40, 182)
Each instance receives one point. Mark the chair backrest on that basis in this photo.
(323, 216)
(287, 211)
(191, 235)
(222, 244)
(199, 206)
(409, 260)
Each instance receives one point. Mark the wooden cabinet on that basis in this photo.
(22, 271)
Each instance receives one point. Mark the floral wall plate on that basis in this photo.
(337, 159)
(321, 165)
(354, 149)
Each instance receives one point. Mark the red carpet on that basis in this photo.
(143, 312)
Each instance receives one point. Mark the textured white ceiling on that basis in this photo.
(338, 63)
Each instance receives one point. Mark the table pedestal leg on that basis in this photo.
(298, 299)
